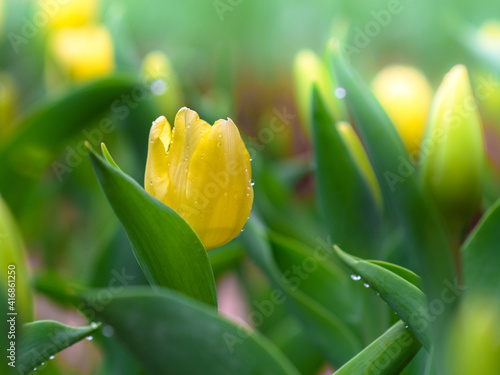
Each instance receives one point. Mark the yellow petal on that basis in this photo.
(188, 130)
(157, 180)
(219, 191)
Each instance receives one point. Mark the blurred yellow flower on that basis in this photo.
(309, 69)
(203, 173)
(489, 35)
(406, 96)
(69, 13)
(80, 54)
(474, 343)
(157, 71)
(454, 152)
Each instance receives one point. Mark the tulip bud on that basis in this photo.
(12, 259)
(474, 342)
(309, 70)
(8, 103)
(69, 13)
(358, 154)
(158, 72)
(453, 154)
(80, 54)
(203, 173)
(406, 96)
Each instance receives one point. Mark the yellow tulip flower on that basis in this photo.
(453, 153)
(203, 173)
(80, 54)
(406, 96)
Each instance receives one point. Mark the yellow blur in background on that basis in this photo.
(80, 54)
(406, 96)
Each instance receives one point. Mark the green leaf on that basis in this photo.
(481, 255)
(13, 264)
(388, 355)
(400, 271)
(166, 247)
(170, 333)
(410, 206)
(42, 134)
(328, 283)
(328, 332)
(404, 298)
(45, 338)
(351, 215)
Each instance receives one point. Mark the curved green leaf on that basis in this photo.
(171, 334)
(404, 298)
(352, 217)
(45, 338)
(481, 255)
(400, 271)
(166, 247)
(387, 355)
(42, 134)
(331, 335)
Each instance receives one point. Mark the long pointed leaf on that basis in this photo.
(387, 355)
(348, 206)
(481, 255)
(166, 247)
(45, 338)
(171, 334)
(404, 298)
(40, 136)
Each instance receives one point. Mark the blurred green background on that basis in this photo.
(230, 59)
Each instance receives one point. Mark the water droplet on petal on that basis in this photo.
(51, 357)
(252, 183)
(355, 277)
